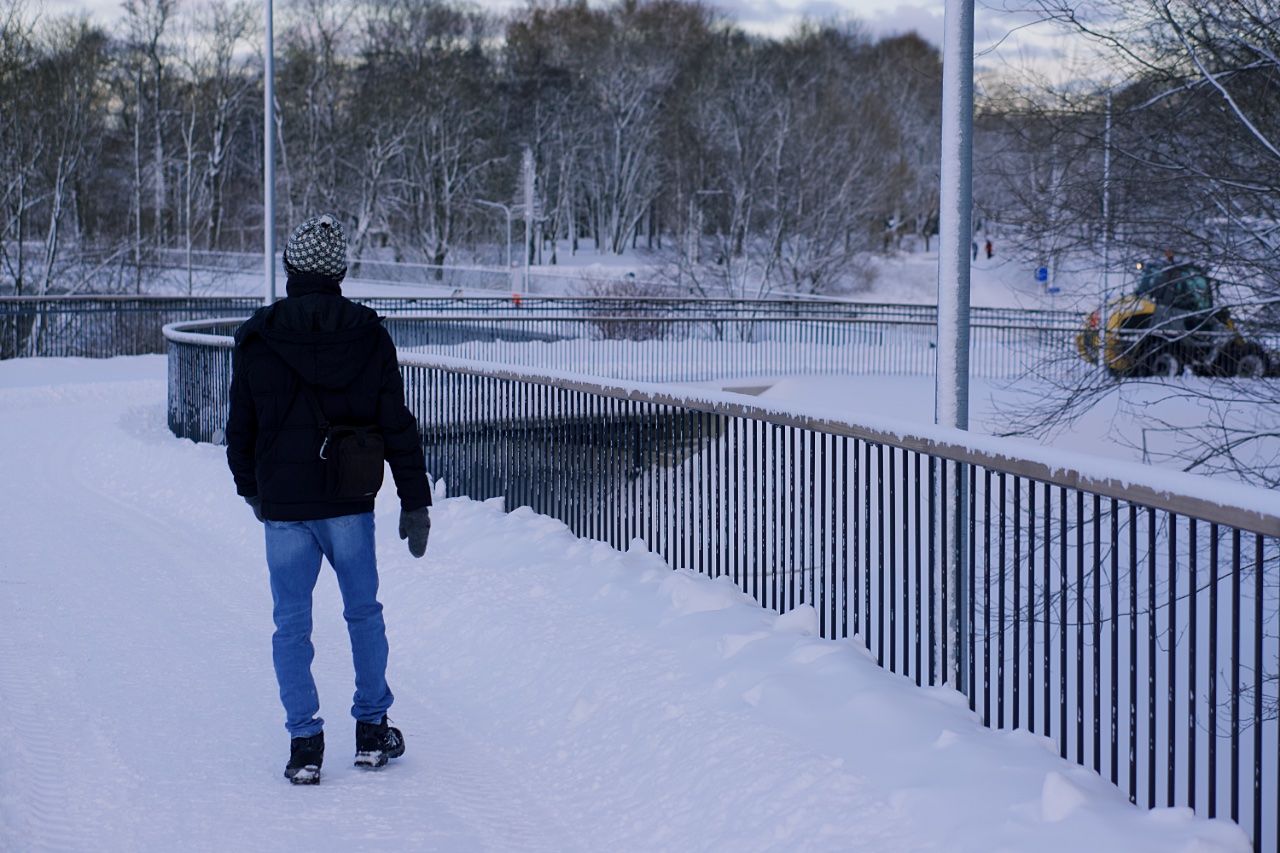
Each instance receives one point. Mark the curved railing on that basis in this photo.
(1128, 613)
(637, 338)
(700, 348)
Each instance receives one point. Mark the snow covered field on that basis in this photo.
(907, 277)
(555, 694)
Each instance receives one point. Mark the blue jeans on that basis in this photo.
(294, 549)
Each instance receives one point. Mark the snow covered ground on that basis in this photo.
(905, 277)
(555, 694)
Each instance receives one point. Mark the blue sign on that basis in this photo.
(1054, 289)
(1042, 274)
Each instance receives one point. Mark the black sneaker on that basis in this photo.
(306, 754)
(377, 742)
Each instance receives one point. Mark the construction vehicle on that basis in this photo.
(1169, 323)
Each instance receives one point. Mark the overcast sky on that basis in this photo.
(1015, 39)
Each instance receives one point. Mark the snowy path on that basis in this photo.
(555, 694)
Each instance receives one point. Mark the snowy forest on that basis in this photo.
(643, 120)
(657, 125)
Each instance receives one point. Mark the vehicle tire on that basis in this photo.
(1251, 362)
(1131, 353)
(1164, 364)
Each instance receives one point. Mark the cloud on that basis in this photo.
(881, 17)
(925, 21)
(101, 11)
(1005, 41)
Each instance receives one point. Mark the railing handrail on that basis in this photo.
(631, 318)
(533, 315)
(179, 332)
(1246, 507)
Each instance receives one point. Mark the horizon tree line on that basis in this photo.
(652, 123)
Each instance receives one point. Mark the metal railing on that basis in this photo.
(693, 348)
(640, 339)
(100, 326)
(1127, 613)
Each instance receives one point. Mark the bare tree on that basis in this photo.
(212, 90)
(800, 166)
(69, 86)
(147, 21)
(546, 113)
(742, 121)
(618, 172)
(906, 76)
(228, 82)
(839, 164)
(433, 66)
(20, 147)
(1195, 170)
(313, 98)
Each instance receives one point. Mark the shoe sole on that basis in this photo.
(309, 775)
(375, 759)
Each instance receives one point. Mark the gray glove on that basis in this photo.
(255, 503)
(415, 525)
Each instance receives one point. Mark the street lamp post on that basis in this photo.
(507, 211)
(268, 165)
(951, 395)
(530, 211)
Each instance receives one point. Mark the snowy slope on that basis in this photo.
(555, 694)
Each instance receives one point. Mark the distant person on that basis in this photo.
(989, 250)
(975, 250)
(300, 366)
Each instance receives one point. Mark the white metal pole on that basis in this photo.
(954, 216)
(955, 212)
(268, 165)
(528, 214)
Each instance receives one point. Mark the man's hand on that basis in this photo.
(255, 503)
(415, 525)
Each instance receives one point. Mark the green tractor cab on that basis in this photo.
(1170, 323)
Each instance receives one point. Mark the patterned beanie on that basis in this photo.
(319, 246)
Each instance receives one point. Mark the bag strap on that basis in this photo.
(321, 420)
(326, 429)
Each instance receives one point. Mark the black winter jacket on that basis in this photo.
(273, 437)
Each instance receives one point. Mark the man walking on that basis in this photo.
(314, 359)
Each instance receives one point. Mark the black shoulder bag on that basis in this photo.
(353, 455)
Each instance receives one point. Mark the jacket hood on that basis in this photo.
(326, 338)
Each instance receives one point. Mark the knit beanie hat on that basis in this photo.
(318, 246)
